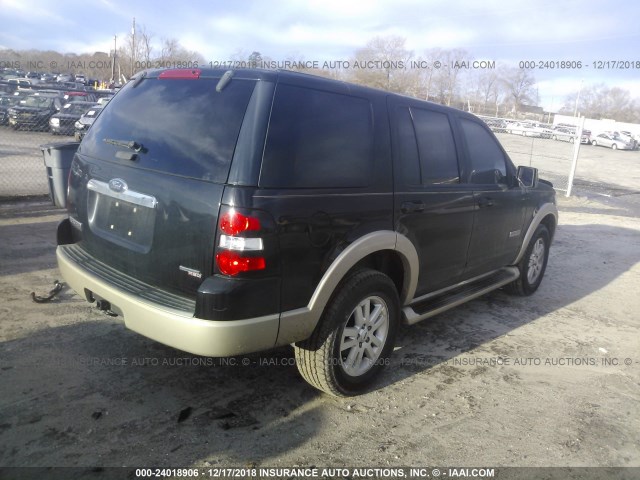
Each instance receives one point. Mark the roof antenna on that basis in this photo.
(224, 81)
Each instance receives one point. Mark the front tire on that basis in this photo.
(533, 264)
(355, 336)
(614, 146)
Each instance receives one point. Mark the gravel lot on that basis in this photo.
(549, 380)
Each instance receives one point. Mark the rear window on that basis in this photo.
(184, 126)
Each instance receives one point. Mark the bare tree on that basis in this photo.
(519, 84)
(488, 84)
(146, 47)
(601, 101)
(382, 63)
(170, 48)
(174, 53)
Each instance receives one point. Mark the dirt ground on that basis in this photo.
(548, 380)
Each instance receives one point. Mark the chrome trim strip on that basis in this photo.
(546, 209)
(130, 196)
(316, 195)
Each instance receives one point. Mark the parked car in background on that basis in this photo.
(65, 77)
(81, 79)
(64, 122)
(564, 134)
(104, 100)
(86, 120)
(6, 102)
(22, 94)
(523, 128)
(34, 112)
(627, 137)
(612, 141)
(545, 130)
(80, 96)
(33, 77)
(20, 82)
(496, 125)
(586, 136)
(47, 78)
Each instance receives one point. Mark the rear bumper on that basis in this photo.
(176, 328)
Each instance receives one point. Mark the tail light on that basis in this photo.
(239, 249)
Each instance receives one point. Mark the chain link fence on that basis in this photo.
(43, 119)
(33, 117)
(553, 150)
(22, 170)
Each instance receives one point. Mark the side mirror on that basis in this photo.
(527, 176)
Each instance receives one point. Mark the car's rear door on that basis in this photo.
(431, 205)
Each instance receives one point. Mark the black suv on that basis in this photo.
(223, 213)
(6, 102)
(34, 111)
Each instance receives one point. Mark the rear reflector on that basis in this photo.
(231, 263)
(181, 73)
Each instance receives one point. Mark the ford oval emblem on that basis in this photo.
(118, 185)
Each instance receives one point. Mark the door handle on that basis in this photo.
(485, 202)
(412, 207)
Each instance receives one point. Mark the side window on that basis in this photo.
(317, 139)
(487, 160)
(438, 158)
(409, 161)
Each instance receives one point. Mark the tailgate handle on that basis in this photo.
(412, 207)
(126, 195)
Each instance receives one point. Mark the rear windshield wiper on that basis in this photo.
(131, 144)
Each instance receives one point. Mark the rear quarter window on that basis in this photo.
(317, 139)
(185, 127)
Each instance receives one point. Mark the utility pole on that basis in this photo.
(575, 112)
(113, 60)
(133, 45)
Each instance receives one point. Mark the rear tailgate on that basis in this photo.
(148, 178)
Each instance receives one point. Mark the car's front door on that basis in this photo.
(500, 202)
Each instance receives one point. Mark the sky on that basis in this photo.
(505, 31)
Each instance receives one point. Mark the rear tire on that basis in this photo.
(355, 336)
(533, 264)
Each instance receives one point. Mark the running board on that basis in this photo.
(452, 298)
